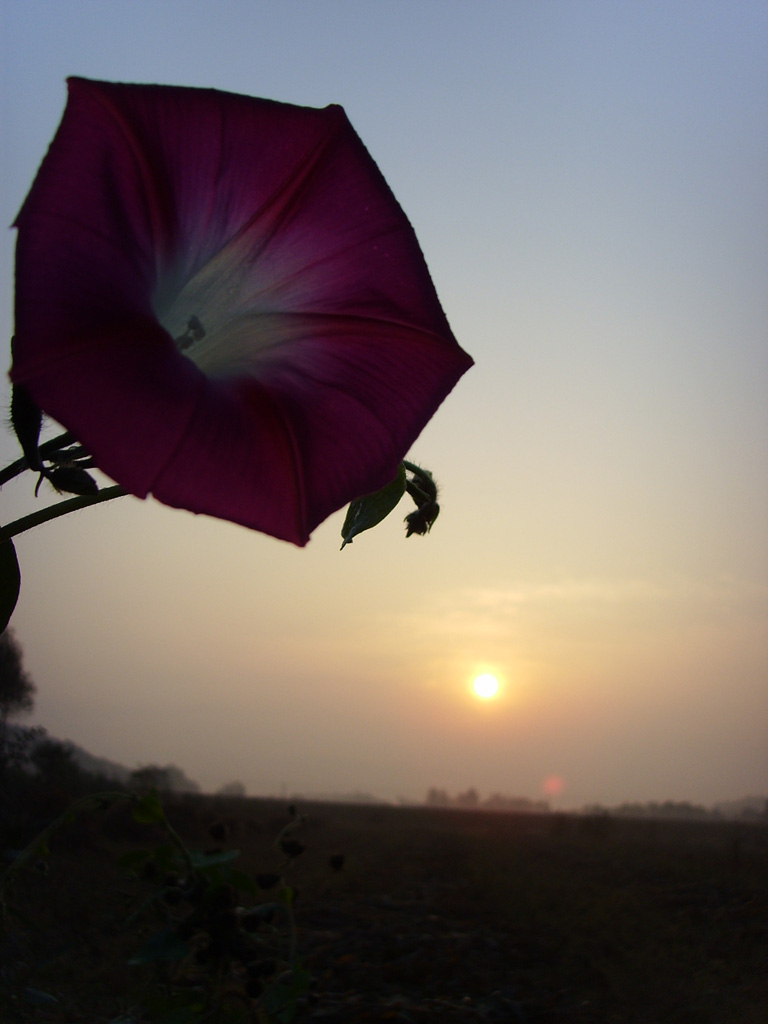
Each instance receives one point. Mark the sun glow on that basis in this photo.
(485, 686)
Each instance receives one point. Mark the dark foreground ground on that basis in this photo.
(436, 915)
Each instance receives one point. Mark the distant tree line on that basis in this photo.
(32, 762)
(165, 779)
(470, 800)
(748, 809)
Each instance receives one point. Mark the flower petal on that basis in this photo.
(310, 347)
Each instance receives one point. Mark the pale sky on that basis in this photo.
(589, 184)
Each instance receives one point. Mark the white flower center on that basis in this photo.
(224, 316)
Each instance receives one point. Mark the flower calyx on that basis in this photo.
(67, 460)
(368, 511)
(423, 489)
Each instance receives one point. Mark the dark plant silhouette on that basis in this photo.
(17, 691)
(17, 697)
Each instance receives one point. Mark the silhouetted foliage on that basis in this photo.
(17, 691)
(231, 789)
(165, 779)
(56, 766)
(17, 743)
(17, 696)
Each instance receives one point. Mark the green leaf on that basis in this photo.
(287, 894)
(10, 582)
(148, 810)
(192, 1014)
(40, 848)
(368, 511)
(132, 859)
(243, 882)
(280, 998)
(166, 945)
(177, 1008)
(267, 913)
(166, 857)
(38, 998)
(207, 860)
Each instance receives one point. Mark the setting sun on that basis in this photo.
(485, 686)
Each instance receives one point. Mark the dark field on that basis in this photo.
(436, 915)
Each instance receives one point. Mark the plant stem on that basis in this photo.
(44, 515)
(179, 843)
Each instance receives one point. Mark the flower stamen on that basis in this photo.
(194, 332)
